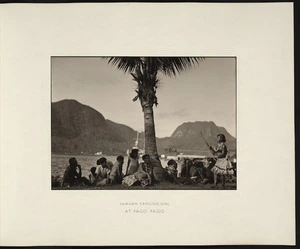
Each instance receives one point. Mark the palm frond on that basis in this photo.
(125, 64)
(171, 66)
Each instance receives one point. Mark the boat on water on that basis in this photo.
(183, 156)
(98, 153)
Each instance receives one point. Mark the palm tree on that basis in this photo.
(144, 71)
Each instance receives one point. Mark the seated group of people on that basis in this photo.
(197, 170)
(103, 174)
(108, 173)
(150, 170)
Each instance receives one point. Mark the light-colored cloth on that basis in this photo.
(102, 171)
(143, 178)
(180, 166)
(129, 180)
(171, 170)
(223, 167)
(103, 174)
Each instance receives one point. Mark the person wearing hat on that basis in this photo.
(222, 166)
(71, 176)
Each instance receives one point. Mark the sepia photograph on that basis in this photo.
(174, 117)
(155, 123)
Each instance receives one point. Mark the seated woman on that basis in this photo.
(198, 172)
(144, 174)
(72, 177)
(157, 171)
(133, 162)
(171, 172)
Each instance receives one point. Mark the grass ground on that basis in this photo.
(157, 186)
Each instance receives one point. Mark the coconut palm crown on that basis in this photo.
(144, 71)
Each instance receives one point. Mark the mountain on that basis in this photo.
(77, 128)
(188, 140)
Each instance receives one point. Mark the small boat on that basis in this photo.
(172, 157)
(183, 156)
(98, 153)
(192, 156)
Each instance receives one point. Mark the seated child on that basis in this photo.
(92, 175)
(102, 172)
(145, 171)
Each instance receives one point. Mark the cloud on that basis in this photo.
(177, 113)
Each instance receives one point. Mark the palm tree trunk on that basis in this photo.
(150, 138)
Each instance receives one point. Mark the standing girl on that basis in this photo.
(222, 166)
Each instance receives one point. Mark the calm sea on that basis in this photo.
(60, 162)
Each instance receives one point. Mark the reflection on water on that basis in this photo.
(60, 162)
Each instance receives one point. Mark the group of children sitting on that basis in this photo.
(108, 173)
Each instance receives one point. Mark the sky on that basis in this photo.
(206, 92)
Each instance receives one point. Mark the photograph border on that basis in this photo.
(141, 189)
(11, 212)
